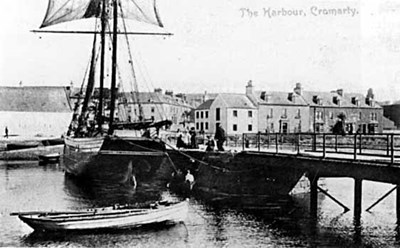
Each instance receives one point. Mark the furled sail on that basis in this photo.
(59, 11)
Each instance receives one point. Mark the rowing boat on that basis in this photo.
(115, 217)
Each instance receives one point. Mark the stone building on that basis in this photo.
(35, 111)
(282, 112)
(235, 113)
(155, 105)
(361, 112)
(392, 112)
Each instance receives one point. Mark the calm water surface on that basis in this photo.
(27, 186)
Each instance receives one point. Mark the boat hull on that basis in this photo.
(109, 219)
(242, 180)
(122, 160)
(78, 152)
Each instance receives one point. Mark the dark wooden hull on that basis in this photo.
(21, 145)
(242, 179)
(138, 160)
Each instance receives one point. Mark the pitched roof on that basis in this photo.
(236, 100)
(279, 98)
(34, 99)
(205, 105)
(327, 99)
(154, 97)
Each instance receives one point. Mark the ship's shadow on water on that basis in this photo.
(104, 193)
(107, 237)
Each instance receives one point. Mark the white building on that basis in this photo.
(35, 111)
(235, 113)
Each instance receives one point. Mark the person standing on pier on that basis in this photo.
(193, 143)
(220, 137)
(6, 130)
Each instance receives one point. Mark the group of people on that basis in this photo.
(188, 139)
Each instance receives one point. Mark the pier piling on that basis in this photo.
(357, 198)
(313, 196)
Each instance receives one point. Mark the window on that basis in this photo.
(360, 116)
(206, 126)
(271, 113)
(250, 127)
(152, 109)
(197, 114)
(374, 117)
(234, 128)
(206, 114)
(235, 113)
(197, 125)
(201, 126)
(218, 114)
(250, 114)
(318, 115)
(284, 113)
(298, 115)
(284, 128)
(202, 115)
(331, 115)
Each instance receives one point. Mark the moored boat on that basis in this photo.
(22, 145)
(49, 158)
(123, 159)
(116, 217)
(246, 180)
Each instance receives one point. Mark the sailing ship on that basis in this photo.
(220, 175)
(92, 149)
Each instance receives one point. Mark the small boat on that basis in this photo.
(115, 217)
(49, 158)
(21, 145)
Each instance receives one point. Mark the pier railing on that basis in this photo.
(373, 145)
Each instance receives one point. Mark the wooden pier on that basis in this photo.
(374, 157)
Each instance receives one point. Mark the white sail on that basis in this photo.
(59, 11)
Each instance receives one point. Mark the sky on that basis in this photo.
(218, 46)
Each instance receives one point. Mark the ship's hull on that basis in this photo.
(122, 159)
(242, 178)
(245, 180)
(78, 152)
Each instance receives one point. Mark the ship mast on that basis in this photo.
(114, 66)
(102, 59)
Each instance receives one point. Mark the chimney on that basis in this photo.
(340, 92)
(205, 96)
(298, 89)
(158, 90)
(249, 88)
(370, 93)
(169, 93)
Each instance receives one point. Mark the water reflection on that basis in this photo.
(105, 193)
(158, 236)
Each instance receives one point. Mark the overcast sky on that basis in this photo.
(218, 46)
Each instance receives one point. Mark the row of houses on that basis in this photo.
(290, 112)
(47, 111)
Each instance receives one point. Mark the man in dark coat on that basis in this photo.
(220, 138)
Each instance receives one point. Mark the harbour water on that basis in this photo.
(27, 186)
